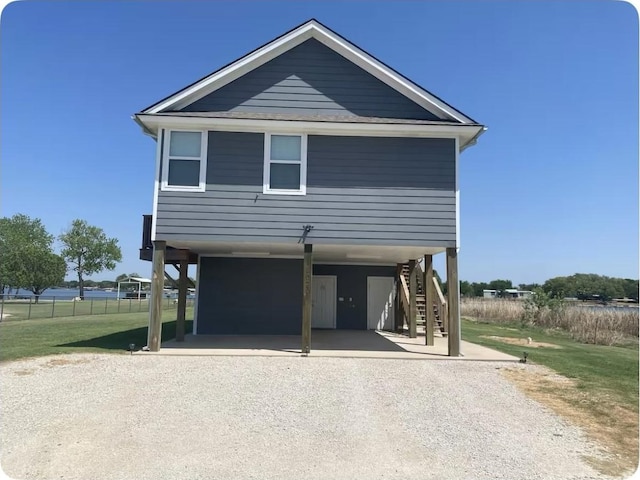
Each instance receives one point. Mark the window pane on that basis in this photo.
(184, 172)
(285, 176)
(285, 147)
(185, 144)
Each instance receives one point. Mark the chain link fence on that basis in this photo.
(23, 307)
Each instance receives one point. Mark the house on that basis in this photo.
(306, 179)
(507, 293)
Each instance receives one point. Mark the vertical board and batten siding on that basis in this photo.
(360, 191)
(311, 79)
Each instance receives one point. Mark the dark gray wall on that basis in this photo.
(264, 296)
(362, 191)
(351, 313)
(311, 79)
(249, 296)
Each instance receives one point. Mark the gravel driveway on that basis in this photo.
(87, 416)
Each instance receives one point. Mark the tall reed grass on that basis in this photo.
(587, 324)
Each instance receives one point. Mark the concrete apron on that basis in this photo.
(328, 343)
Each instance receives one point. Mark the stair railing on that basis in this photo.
(404, 299)
(443, 310)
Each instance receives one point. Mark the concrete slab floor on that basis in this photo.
(328, 343)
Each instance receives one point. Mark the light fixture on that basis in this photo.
(251, 254)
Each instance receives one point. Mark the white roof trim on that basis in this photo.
(466, 133)
(311, 29)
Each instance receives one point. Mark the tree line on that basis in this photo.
(27, 259)
(583, 286)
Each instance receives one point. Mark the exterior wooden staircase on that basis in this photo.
(439, 308)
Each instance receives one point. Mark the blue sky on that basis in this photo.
(551, 188)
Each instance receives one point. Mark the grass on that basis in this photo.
(587, 324)
(48, 308)
(89, 333)
(601, 395)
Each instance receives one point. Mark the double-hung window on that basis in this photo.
(184, 165)
(285, 164)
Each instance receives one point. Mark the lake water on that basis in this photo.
(71, 293)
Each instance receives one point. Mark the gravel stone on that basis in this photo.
(92, 416)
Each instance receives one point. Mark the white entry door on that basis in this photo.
(323, 301)
(380, 303)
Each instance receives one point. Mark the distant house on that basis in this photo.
(301, 178)
(507, 293)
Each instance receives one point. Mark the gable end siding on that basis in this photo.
(311, 79)
(360, 191)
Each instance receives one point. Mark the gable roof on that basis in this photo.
(293, 38)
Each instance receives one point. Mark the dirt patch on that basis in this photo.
(521, 341)
(610, 425)
(58, 362)
(22, 373)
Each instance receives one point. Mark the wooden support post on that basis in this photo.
(413, 304)
(155, 305)
(182, 298)
(429, 293)
(453, 297)
(399, 315)
(307, 271)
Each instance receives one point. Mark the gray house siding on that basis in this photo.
(249, 296)
(360, 191)
(264, 296)
(311, 79)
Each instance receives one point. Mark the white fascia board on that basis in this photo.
(466, 132)
(294, 38)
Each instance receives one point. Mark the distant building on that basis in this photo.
(507, 293)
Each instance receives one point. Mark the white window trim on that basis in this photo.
(266, 189)
(202, 183)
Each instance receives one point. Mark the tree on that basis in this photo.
(630, 288)
(41, 269)
(124, 276)
(23, 241)
(465, 289)
(89, 250)
(479, 288)
(588, 286)
(530, 287)
(500, 285)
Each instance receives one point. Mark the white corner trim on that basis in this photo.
(294, 38)
(266, 180)
(457, 187)
(196, 300)
(156, 184)
(202, 181)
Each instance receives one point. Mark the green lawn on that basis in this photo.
(607, 370)
(602, 397)
(95, 333)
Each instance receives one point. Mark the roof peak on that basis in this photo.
(311, 28)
